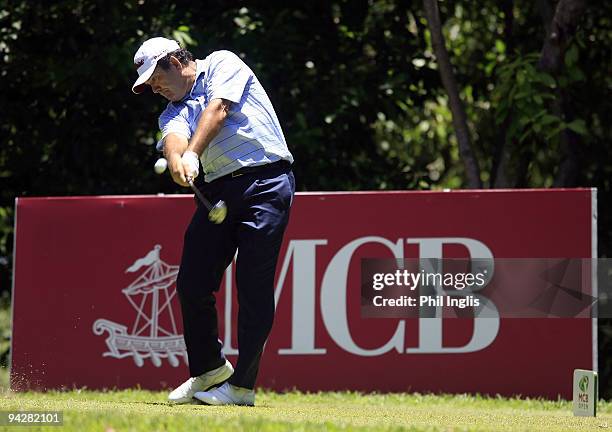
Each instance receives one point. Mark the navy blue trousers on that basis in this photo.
(258, 211)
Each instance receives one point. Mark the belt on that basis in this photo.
(256, 169)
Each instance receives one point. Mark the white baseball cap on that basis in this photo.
(145, 59)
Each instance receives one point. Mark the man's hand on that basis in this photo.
(181, 162)
(191, 164)
(177, 171)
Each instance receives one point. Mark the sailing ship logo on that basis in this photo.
(153, 335)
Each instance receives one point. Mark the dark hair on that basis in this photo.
(182, 55)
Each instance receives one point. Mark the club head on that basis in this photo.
(218, 212)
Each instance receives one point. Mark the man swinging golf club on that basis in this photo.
(219, 115)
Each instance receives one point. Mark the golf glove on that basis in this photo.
(191, 163)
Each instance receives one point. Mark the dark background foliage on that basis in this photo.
(356, 85)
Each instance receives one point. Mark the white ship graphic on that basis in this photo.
(153, 335)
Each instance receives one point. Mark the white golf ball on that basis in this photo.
(161, 165)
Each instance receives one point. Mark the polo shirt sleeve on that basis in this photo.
(172, 121)
(228, 77)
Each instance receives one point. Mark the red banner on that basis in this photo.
(94, 299)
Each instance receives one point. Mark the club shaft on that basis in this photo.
(199, 195)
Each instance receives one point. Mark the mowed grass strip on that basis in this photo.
(137, 410)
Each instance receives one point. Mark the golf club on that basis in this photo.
(216, 213)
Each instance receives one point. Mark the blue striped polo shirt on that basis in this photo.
(251, 134)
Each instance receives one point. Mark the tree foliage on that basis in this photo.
(356, 86)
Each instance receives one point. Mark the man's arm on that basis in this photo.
(210, 123)
(174, 147)
(225, 85)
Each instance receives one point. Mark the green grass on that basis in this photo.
(4, 379)
(5, 338)
(136, 410)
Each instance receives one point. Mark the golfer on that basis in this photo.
(219, 120)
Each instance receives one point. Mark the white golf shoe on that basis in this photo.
(184, 393)
(227, 394)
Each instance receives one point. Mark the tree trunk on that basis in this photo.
(500, 177)
(569, 168)
(546, 13)
(560, 30)
(472, 169)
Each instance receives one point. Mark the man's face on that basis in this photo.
(171, 83)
